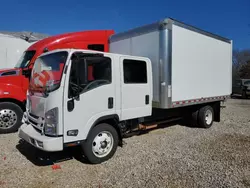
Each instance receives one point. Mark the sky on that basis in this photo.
(228, 18)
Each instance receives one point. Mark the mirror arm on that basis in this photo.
(77, 98)
(85, 71)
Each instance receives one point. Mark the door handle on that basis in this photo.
(147, 99)
(110, 102)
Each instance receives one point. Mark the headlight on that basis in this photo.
(51, 122)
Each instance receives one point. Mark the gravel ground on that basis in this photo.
(176, 156)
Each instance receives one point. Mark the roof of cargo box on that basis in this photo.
(25, 35)
(161, 25)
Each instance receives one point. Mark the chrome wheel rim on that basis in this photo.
(208, 117)
(8, 118)
(102, 144)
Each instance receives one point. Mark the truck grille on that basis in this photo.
(36, 122)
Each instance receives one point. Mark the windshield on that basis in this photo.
(47, 72)
(25, 59)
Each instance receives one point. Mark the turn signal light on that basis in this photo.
(72, 132)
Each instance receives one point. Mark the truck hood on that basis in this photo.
(9, 72)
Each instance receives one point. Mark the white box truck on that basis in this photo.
(11, 49)
(159, 72)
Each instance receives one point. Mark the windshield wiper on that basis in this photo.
(39, 89)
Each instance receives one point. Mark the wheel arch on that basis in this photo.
(112, 120)
(216, 106)
(21, 104)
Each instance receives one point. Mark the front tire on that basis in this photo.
(206, 117)
(101, 143)
(10, 117)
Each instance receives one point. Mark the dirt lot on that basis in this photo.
(176, 156)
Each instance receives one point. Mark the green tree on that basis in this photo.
(244, 70)
(241, 64)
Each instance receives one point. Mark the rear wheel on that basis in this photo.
(101, 143)
(206, 117)
(244, 95)
(10, 117)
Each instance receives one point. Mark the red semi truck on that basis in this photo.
(14, 82)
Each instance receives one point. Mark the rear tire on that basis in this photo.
(10, 117)
(101, 143)
(206, 117)
(244, 95)
(195, 118)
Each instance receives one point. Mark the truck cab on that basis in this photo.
(85, 106)
(14, 82)
(241, 87)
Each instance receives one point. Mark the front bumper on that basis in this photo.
(42, 142)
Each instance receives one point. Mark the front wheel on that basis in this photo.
(10, 117)
(101, 143)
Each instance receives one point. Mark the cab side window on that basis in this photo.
(97, 47)
(134, 71)
(97, 73)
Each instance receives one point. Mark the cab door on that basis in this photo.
(97, 96)
(136, 87)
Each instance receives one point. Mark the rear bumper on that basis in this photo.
(42, 142)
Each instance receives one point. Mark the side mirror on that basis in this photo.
(81, 71)
(84, 67)
(79, 63)
(78, 77)
(26, 72)
(82, 76)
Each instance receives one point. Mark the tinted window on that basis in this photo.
(98, 72)
(25, 59)
(135, 71)
(97, 47)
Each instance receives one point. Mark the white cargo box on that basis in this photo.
(11, 49)
(189, 65)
